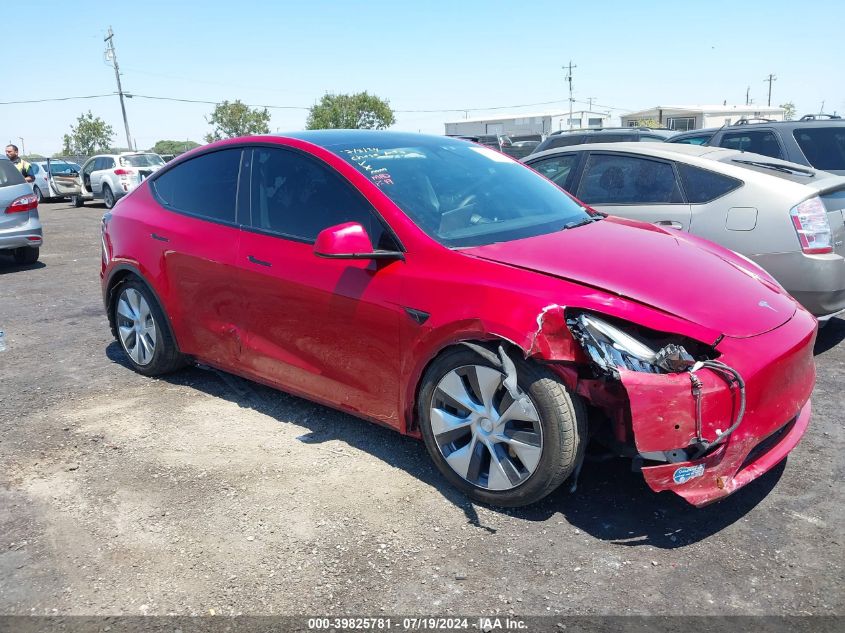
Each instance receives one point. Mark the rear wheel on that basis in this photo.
(26, 255)
(108, 196)
(37, 193)
(499, 449)
(143, 331)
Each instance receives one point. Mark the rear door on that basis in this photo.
(194, 235)
(103, 165)
(64, 178)
(636, 187)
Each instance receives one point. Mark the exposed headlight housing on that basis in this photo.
(611, 348)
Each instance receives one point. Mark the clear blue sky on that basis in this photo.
(421, 55)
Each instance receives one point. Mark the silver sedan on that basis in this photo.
(787, 218)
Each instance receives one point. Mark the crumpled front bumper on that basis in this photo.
(779, 372)
(730, 467)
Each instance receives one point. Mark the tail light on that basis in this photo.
(124, 172)
(810, 221)
(24, 203)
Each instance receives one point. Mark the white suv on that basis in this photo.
(111, 176)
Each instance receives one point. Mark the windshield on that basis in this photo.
(463, 194)
(141, 160)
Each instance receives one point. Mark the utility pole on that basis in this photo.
(590, 101)
(747, 95)
(23, 147)
(770, 79)
(568, 70)
(111, 55)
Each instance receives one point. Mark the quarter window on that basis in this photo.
(618, 179)
(757, 141)
(702, 185)
(824, 147)
(298, 197)
(205, 186)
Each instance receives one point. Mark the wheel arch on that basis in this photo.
(117, 276)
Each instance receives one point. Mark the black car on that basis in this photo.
(604, 135)
(817, 140)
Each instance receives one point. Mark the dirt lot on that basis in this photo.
(204, 492)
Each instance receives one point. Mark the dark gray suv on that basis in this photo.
(604, 135)
(815, 140)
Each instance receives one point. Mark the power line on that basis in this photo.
(111, 94)
(131, 95)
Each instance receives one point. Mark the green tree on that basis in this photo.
(89, 135)
(358, 111)
(788, 110)
(649, 123)
(237, 119)
(173, 147)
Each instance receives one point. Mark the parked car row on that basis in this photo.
(814, 140)
(785, 217)
(449, 292)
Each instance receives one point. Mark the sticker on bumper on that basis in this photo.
(685, 473)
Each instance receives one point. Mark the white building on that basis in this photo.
(521, 124)
(699, 116)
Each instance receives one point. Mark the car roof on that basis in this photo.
(717, 159)
(333, 138)
(795, 123)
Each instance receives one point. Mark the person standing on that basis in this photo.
(24, 167)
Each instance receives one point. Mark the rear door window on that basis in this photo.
(757, 141)
(205, 186)
(824, 147)
(297, 196)
(702, 185)
(610, 138)
(558, 169)
(625, 179)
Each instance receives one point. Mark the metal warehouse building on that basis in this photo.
(523, 124)
(696, 117)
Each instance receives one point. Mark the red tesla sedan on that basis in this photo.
(445, 290)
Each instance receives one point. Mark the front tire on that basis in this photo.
(498, 450)
(38, 193)
(143, 331)
(108, 197)
(77, 201)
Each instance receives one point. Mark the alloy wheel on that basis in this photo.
(488, 437)
(135, 326)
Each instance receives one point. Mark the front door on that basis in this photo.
(327, 329)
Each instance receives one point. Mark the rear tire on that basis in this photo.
(38, 193)
(77, 201)
(143, 330)
(26, 255)
(108, 197)
(532, 453)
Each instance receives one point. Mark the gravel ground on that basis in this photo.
(205, 493)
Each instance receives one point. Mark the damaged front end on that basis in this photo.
(685, 422)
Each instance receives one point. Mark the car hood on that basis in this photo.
(660, 268)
